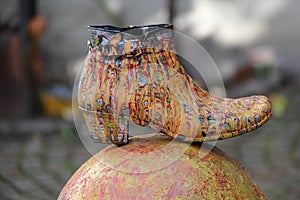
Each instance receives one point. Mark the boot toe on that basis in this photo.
(246, 114)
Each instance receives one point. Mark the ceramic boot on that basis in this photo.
(133, 74)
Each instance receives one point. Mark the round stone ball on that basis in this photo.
(155, 167)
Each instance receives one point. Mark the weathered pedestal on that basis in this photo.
(155, 168)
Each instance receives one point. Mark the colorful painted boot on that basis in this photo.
(133, 74)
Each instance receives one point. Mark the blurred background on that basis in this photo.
(255, 45)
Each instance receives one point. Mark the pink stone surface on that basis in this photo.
(191, 176)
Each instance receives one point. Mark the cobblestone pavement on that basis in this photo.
(36, 165)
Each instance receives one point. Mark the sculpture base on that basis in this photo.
(190, 176)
